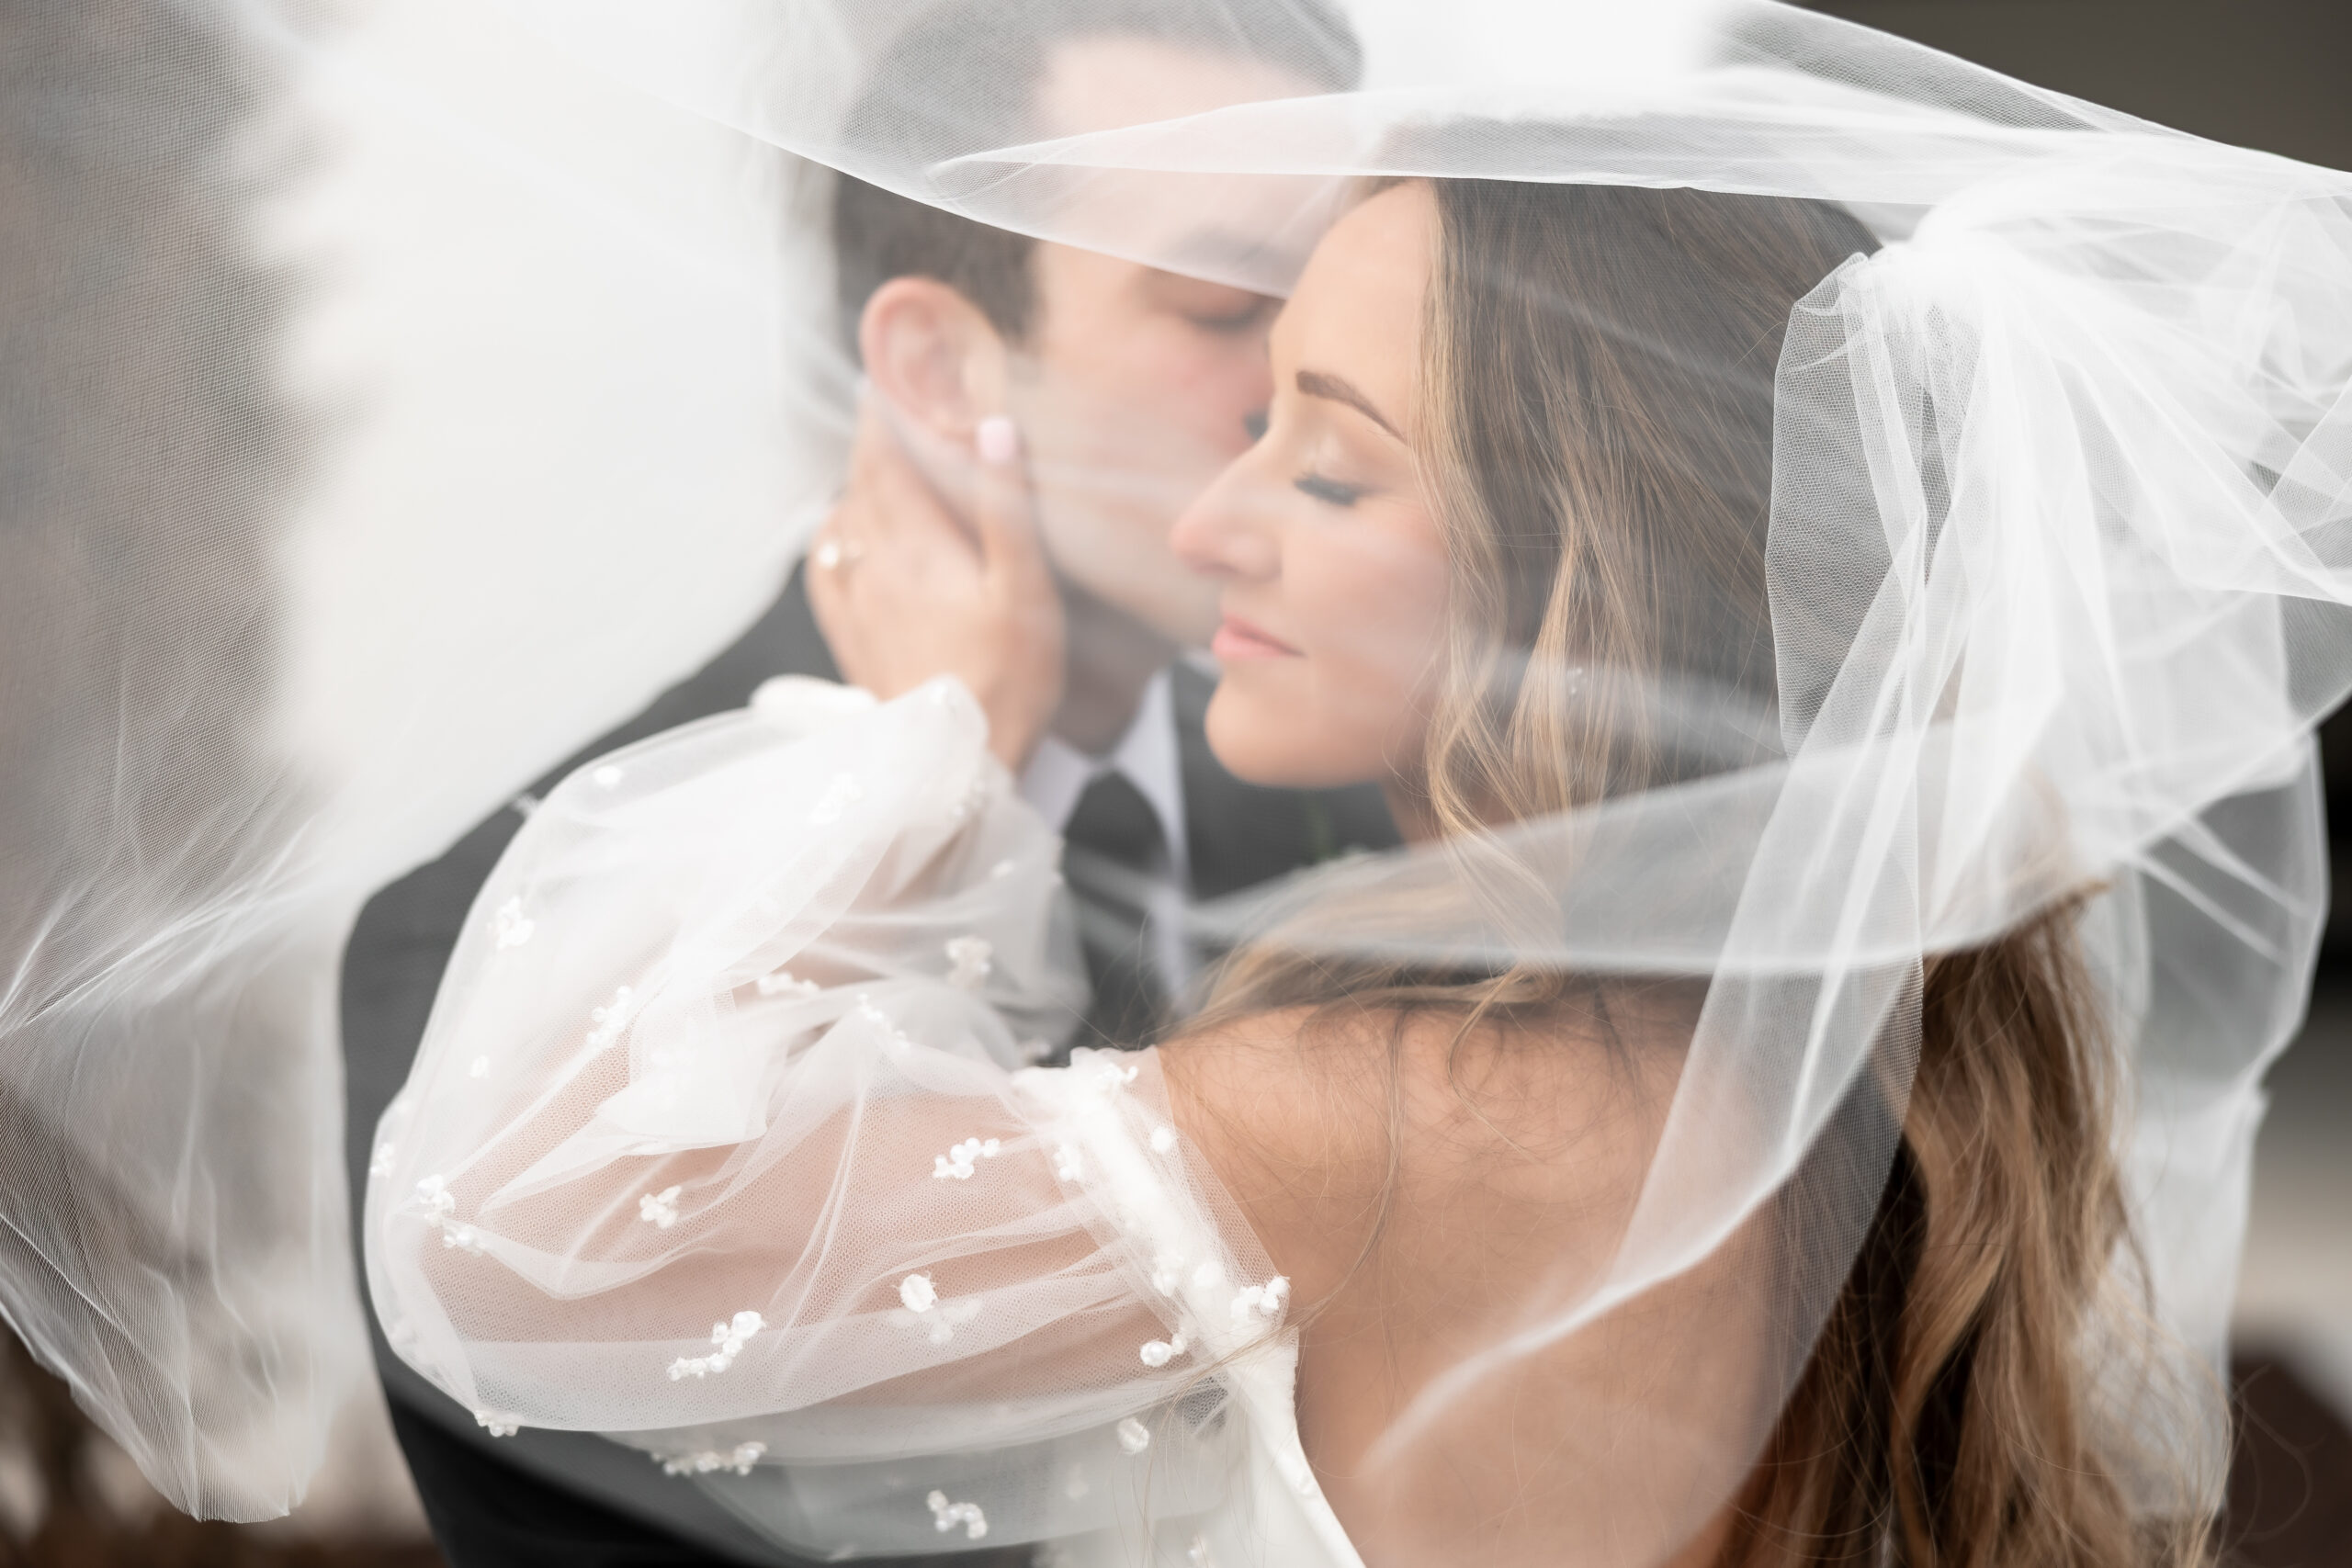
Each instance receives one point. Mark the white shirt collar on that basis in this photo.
(1059, 772)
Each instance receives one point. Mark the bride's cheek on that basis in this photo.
(1404, 587)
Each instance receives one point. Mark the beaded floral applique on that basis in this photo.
(433, 1201)
(660, 1209)
(956, 1163)
(740, 1459)
(923, 1305)
(728, 1337)
(509, 925)
(946, 1516)
(1264, 1301)
(611, 1019)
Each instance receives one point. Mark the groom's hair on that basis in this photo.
(964, 77)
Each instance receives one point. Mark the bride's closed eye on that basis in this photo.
(1330, 492)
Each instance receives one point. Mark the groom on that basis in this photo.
(1133, 388)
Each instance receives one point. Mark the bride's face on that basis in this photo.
(1332, 575)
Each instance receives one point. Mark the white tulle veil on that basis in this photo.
(404, 394)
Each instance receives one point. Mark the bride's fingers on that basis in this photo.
(887, 496)
(1000, 515)
(877, 489)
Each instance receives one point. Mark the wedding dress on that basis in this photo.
(737, 1036)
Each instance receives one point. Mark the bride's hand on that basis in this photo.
(905, 591)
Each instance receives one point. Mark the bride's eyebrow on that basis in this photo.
(1340, 389)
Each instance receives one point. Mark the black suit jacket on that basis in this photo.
(1238, 834)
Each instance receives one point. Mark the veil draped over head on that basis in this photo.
(399, 394)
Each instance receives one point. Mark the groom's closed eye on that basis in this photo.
(1214, 308)
(1254, 422)
(1245, 318)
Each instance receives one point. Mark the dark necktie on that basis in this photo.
(1115, 852)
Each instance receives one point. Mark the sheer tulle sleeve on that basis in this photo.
(721, 1141)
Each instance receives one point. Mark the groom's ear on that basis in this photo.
(934, 357)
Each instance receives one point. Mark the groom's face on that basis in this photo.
(1135, 387)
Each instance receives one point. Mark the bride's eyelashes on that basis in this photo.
(1255, 424)
(1331, 492)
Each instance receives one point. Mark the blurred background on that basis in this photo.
(2274, 74)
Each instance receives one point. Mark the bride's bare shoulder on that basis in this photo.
(1340, 1132)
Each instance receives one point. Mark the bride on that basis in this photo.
(720, 1142)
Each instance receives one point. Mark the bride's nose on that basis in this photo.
(1232, 529)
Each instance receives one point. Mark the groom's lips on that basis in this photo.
(1237, 638)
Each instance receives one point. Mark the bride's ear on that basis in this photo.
(933, 357)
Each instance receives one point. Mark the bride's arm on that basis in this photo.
(721, 1117)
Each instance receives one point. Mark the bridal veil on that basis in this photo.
(401, 393)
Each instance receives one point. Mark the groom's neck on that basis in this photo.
(1110, 656)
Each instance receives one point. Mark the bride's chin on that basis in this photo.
(1278, 742)
(1232, 729)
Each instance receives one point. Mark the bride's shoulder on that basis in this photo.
(1335, 1129)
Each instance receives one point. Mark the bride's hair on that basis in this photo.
(1597, 377)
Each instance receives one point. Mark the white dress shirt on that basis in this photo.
(1147, 755)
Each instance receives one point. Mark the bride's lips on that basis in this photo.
(1237, 638)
